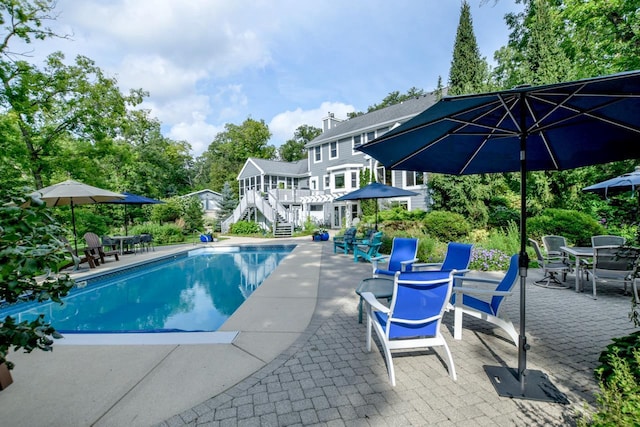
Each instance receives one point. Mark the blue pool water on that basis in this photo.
(195, 291)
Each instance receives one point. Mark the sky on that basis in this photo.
(206, 63)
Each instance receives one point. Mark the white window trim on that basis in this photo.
(337, 150)
(317, 147)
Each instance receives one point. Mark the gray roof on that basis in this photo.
(384, 117)
(274, 167)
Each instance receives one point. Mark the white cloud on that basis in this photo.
(197, 132)
(283, 125)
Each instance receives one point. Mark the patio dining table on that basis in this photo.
(578, 252)
(122, 240)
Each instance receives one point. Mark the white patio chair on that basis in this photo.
(413, 317)
(485, 300)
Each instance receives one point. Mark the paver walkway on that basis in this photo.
(327, 377)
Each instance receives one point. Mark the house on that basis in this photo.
(210, 201)
(274, 193)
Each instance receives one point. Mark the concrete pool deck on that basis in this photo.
(300, 360)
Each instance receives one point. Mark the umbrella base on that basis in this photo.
(537, 385)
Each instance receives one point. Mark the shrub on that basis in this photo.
(575, 226)
(245, 227)
(619, 398)
(168, 211)
(446, 226)
(502, 216)
(625, 348)
(162, 234)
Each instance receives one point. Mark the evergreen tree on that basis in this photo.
(467, 195)
(228, 202)
(468, 69)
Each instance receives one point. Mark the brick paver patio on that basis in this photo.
(327, 378)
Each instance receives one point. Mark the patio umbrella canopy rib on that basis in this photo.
(551, 127)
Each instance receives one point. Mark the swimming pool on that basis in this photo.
(194, 291)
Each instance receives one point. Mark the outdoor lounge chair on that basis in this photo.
(403, 255)
(346, 241)
(484, 303)
(368, 250)
(413, 317)
(614, 264)
(551, 267)
(94, 245)
(89, 258)
(458, 257)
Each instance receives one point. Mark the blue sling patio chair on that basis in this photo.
(368, 250)
(403, 255)
(346, 241)
(485, 302)
(458, 257)
(413, 317)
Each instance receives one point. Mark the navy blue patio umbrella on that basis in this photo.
(132, 199)
(620, 184)
(375, 190)
(551, 127)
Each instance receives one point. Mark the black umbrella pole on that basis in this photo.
(73, 221)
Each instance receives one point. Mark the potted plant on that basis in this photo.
(31, 253)
(320, 234)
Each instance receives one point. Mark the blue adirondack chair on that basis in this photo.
(369, 250)
(346, 241)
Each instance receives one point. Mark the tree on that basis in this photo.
(603, 35)
(467, 195)
(294, 149)
(229, 151)
(536, 53)
(396, 98)
(24, 19)
(75, 102)
(468, 72)
(228, 202)
(30, 255)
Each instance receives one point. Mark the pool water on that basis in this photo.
(198, 291)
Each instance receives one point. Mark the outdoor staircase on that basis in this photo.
(269, 208)
(283, 229)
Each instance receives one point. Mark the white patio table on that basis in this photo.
(578, 252)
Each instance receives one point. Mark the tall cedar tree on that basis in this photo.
(467, 71)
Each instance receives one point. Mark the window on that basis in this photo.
(414, 178)
(313, 183)
(357, 141)
(371, 136)
(339, 180)
(327, 183)
(333, 150)
(354, 179)
(315, 208)
(317, 154)
(383, 175)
